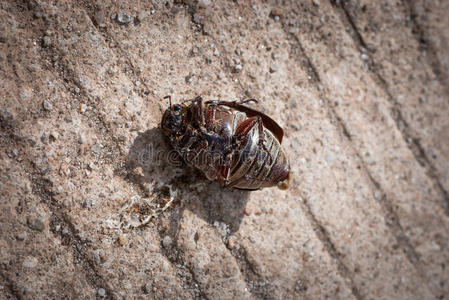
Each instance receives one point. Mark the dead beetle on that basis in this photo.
(229, 142)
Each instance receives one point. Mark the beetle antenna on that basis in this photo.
(169, 99)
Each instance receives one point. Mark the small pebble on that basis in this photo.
(238, 68)
(148, 287)
(13, 153)
(274, 67)
(30, 262)
(99, 17)
(141, 16)
(82, 138)
(167, 241)
(124, 18)
(188, 79)
(231, 243)
(277, 12)
(22, 236)
(46, 41)
(54, 135)
(122, 240)
(83, 107)
(204, 3)
(47, 105)
(364, 56)
(197, 18)
(36, 224)
(221, 75)
(32, 68)
(59, 190)
(101, 292)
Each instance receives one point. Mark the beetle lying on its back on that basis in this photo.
(229, 142)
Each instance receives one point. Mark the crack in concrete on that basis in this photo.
(387, 207)
(420, 35)
(176, 258)
(42, 189)
(11, 286)
(321, 232)
(252, 277)
(415, 146)
(324, 237)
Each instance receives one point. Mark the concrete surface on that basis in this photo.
(94, 206)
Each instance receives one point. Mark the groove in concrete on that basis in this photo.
(11, 286)
(388, 212)
(420, 35)
(415, 145)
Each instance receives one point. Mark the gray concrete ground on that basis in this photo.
(92, 205)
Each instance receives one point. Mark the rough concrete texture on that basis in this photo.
(93, 205)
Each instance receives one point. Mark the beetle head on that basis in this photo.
(173, 120)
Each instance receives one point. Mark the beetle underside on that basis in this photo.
(229, 142)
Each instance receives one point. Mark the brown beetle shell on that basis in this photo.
(229, 142)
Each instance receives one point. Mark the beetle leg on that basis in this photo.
(210, 117)
(223, 175)
(199, 105)
(169, 99)
(192, 155)
(197, 110)
(245, 127)
(249, 124)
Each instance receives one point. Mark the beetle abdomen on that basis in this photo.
(254, 167)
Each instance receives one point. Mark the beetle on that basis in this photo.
(229, 142)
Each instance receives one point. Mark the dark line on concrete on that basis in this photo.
(11, 286)
(89, 8)
(176, 256)
(42, 189)
(323, 236)
(420, 36)
(391, 218)
(250, 274)
(320, 231)
(394, 225)
(415, 145)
